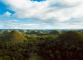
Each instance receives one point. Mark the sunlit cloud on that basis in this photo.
(7, 14)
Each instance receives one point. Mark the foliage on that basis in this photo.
(66, 46)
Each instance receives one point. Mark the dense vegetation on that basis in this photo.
(41, 45)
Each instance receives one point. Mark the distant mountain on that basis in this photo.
(14, 36)
(71, 37)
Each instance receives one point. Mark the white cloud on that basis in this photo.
(49, 11)
(7, 14)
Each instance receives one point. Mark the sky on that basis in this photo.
(41, 14)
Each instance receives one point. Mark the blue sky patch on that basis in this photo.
(38, 0)
(4, 8)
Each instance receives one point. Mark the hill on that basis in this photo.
(57, 32)
(71, 37)
(14, 36)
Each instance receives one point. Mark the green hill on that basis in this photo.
(14, 36)
(71, 37)
(57, 32)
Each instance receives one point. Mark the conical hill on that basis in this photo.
(71, 37)
(57, 32)
(14, 36)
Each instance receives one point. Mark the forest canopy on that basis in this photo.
(41, 44)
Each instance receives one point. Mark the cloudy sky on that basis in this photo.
(41, 14)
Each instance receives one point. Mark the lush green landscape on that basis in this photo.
(41, 44)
